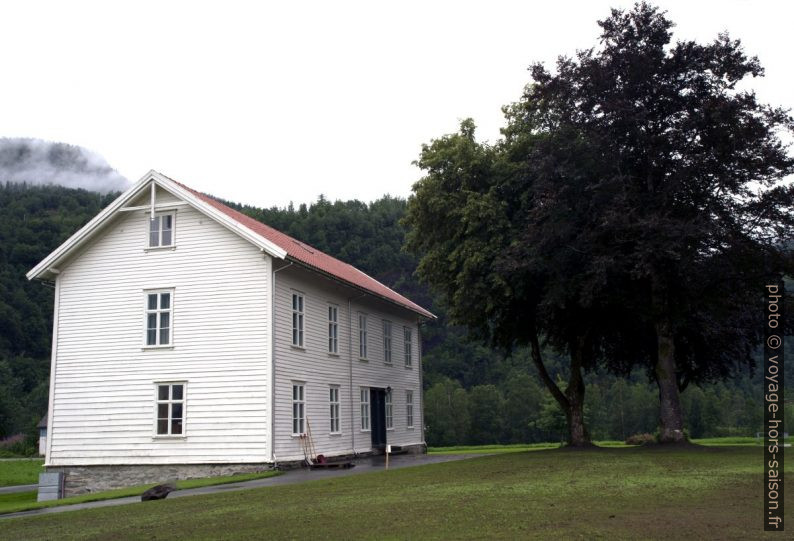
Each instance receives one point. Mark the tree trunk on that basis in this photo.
(578, 433)
(578, 436)
(572, 400)
(671, 417)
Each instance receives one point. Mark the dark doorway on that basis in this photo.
(377, 400)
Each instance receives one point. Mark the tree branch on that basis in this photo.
(544, 375)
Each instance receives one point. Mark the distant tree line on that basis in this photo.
(520, 410)
(34, 220)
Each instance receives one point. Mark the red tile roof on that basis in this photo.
(312, 257)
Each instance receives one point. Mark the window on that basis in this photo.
(170, 409)
(409, 409)
(362, 336)
(161, 231)
(387, 341)
(333, 399)
(333, 329)
(297, 319)
(158, 318)
(298, 410)
(365, 408)
(408, 346)
(389, 411)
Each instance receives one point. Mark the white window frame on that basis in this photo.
(362, 336)
(169, 402)
(159, 220)
(158, 312)
(408, 342)
(298, 305)
(335, 407)
(409, 409)
(387, 349)
(389, 407)
(298, 408)
(366, 412)
(333, 329)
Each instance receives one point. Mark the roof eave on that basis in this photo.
(420, 311)
(174, 188)
(45, 268)
(84, 233)
(48, 266)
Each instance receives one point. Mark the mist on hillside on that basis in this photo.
(35, 161)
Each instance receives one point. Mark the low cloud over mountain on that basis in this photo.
(44, 162)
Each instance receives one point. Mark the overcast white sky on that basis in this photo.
(270, 103)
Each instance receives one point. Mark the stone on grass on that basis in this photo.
(159, 492)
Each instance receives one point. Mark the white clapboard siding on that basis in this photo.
(104, 396)
(317, 369)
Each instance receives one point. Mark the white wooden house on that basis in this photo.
(191, 340)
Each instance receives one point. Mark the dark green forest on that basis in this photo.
(33, 221)
(473, 394)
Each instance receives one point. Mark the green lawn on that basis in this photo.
(20, 472)
(737, 440)
(520, 447)
(491, 449)
(607, 493)
(510, 448)
(24, 501)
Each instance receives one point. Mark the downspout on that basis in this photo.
(421, 383)
(350, 359)
(273, 362)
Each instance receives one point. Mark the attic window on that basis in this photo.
(161, 231)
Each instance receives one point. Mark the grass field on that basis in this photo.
(20, 472)
(737, 440)
(491, 449)
(24, 501)
(510, 448)
(608, 493)
(520, 447)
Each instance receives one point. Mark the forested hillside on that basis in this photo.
(473, 394)
(33, 221)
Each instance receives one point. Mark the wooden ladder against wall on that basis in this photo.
(307, 443)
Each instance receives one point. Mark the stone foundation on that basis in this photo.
(418, 449)
(87, 479)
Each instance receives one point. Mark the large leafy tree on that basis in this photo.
(687, 173)
(632, 211)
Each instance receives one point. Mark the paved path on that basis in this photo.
(363, 465)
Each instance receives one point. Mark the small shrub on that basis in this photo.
(640, 439)
(17, 446)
